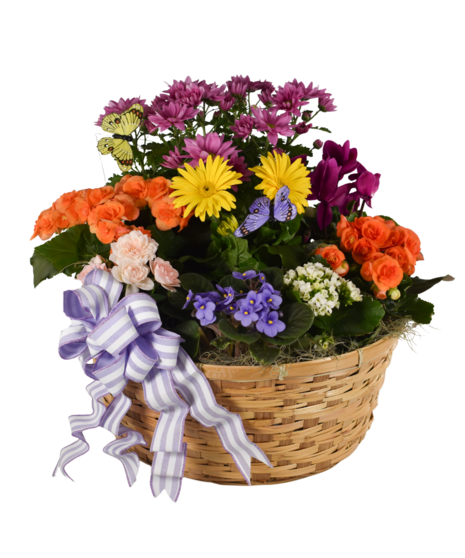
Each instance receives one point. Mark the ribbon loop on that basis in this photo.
(125, 340)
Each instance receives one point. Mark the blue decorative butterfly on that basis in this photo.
(260, 212)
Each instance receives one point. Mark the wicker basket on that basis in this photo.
(306, 417)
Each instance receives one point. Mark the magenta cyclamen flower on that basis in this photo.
(173, 114)
(121, 106)
(272, 123)
(243, 127)
(173, 160)
(210, 144)
(290, 98)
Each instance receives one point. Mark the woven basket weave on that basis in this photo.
(306, 417)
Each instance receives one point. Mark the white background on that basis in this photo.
(396, 72)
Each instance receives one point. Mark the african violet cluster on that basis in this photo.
(220, 214)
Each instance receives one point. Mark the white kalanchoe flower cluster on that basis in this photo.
(321, 288)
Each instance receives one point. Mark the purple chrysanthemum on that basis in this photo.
(302, 128)
(210, 144)
(174, 114)
(227, 102)
(192, 93)
(121, 106)
(272, 123)
(243, 127)
(239, 165)
(266, 96)
(290, 98)
(270, 324)
(239, 86)
(173, 160)
(326, 103)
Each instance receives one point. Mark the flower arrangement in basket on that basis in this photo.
(204, 248)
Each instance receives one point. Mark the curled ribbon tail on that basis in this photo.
(196, 390)
(167, 442)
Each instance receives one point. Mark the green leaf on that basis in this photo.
(157, 297)
(298, 318)
(177, 299)
(421, 285)
(221, 342)
(170, 243)
(42, 268)
(73, 246)
(196, 283)
(190, 332)
(274, 276)
(291, 256)
(263, 352)
(231, 332)
(278, 340)
(177, 313)
(357, 319)
(292, 296)
(419, 310)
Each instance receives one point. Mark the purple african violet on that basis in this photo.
(205, 310)
(270, 324)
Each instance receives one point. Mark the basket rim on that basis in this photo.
(329, 365)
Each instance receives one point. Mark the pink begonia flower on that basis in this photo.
(134, 274)
(165, 274)
(95, 262)
(135, 246)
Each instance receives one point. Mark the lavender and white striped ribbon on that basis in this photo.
(125, 340)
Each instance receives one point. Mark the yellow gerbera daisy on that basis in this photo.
(204, 187)
(277, 171)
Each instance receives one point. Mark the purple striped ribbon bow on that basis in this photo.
(125, 341)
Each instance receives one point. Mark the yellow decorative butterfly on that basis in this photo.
(121, 126)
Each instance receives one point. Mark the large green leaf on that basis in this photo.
(421, 285)
(263, 352)
(419, 310)
(76, 245)
(291, 256)
(357, 319)
(229, 281)
(170, 243)
(196, 283)
(43, 268)
(190, 332)
(231, 332)
(298, 318)
(274, 276)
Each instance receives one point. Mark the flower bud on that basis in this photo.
(317, 144)
(395, 294)
(227, 225)
(380, 295)
(307, 115)
(302, 128)
(343, 269)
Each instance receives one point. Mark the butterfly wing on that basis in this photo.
(123, 124)
(284, 209)
(259, 215)
(119, 149)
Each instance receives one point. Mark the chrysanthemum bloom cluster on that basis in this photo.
(321, 288)
(134, 256)
(256, 309)
(384, 250)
